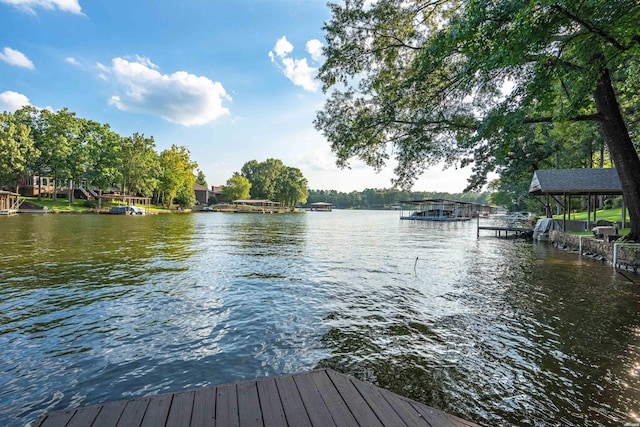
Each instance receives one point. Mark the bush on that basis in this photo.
(614, 202)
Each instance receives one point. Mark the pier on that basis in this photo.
(318, 398)
(498, 230)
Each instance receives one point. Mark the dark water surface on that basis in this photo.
(501, 332)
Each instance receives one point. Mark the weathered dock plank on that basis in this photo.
(332, 399)
(157, 410)
(227, 406)
(181, 409)
(84, 417)
(385, 412)
(294, 409)
(313, 402)
(134, 412)
(204, 407)
(110, 418)
(319, 398)
(356, 403)
(270, 404)
(249, 411)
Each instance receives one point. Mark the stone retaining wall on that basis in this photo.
(627, 257)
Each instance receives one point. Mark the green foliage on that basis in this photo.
(237, 188)
(104, 155)
(66, 147)
(291, 187)
(263, 177)
(140, 164)
(272, 180)
(176, 177)
(201, 179)
(421, 82)
(16, 148)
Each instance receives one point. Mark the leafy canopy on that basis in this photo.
(427, 81)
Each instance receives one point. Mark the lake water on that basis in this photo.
(501, 332)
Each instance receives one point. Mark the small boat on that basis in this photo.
(127, 210)
(543, 228)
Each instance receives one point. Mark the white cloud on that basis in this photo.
(283, 47)
(71, 6)
(314, 47)
(17, 58)
(12, 101)
(71, 60)
(180, 97)
(296, 70)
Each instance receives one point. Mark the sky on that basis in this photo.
(231, 80)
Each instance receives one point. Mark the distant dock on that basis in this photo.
(499, 230)
(318, 398)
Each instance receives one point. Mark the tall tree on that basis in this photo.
(59, 144)
(38, 163)
(291, 187)
(16, 148)
(422, 79)
(263, 177)
(139, 165)
(238, 187)
(176, 176)
(104, 160)
(201, 179)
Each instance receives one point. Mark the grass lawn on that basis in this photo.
(77, 206)
(59, 205)
(612, 215)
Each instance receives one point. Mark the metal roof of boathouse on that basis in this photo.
(576, 182)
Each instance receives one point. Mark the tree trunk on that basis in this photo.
(40, 184)
(621, 149)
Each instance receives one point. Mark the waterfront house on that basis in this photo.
(203, 194)
(33, 185)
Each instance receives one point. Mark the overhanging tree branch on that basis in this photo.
(580, 118)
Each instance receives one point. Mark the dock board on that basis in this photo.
(318, 398)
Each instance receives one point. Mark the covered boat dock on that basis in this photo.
(321, 206)
(9, 202)
(563, 184)
(442, 210)
(256, 206)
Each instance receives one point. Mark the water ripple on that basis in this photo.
(497, 331)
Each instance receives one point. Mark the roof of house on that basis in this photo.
(576, 182)
(255, 202)
(199, 187)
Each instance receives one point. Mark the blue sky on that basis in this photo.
(232, 80)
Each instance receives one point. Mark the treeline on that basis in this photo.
(267, 180)
(70, 149)
(386, 198)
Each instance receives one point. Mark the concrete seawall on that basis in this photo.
(627, 255)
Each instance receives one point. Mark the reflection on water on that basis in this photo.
(501, 332)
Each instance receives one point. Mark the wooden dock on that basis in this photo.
(498, 230)
(318, 398)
